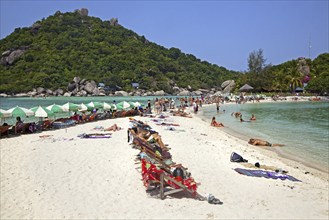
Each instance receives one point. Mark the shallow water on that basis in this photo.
(27, 102)
(302, 126)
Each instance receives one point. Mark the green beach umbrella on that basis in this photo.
(113, 106)
(20, 111)
(132, 104)
(55, 108)
(94, 105)
(123, 105)
(42, 112)
(69, 106)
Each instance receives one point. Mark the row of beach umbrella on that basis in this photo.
(51, 110)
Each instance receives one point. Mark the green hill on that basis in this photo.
(56, 49)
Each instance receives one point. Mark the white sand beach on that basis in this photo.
(66, 177)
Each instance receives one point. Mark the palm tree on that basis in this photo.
(295, 82)
(295, 78)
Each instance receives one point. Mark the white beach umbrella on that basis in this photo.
(4, 114)
(106, 106)
(83, 107)
(42, 112)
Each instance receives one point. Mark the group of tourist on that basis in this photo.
(156, 160)
(21, 127)
(252, 141)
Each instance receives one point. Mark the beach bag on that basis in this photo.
(237, 158)
(157, 148)
(179, 172)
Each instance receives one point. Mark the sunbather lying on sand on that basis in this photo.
(181, 113)
(114, 127)
(259, 142)
(264, 167)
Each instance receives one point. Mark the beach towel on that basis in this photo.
(266, 174)
(98, 127)
(84, 135)
(167, 124)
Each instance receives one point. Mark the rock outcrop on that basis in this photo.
(82, 11)
(35, 28)
(228, 86)
(184, 93)
(10, 56)
(303, 67)
(82, 87)
(114, 22)
(121, 93)
(159, 93)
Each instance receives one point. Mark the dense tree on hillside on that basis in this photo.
(286, 77)
(65, 45)
(320, 82)
(69, 44)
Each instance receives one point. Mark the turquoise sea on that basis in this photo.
(302, 126)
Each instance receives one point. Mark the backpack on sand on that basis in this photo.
(237, 158)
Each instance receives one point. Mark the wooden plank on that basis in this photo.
(173, 191)
(161, 186)
(179, 184)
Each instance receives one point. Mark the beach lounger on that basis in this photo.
(152, 151)
(159, 172)
(4, 130)
(44, 125)
(63, 123)
(151, 174)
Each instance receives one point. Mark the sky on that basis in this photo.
(219, 32)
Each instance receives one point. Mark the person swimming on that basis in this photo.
(253, 118)
(242, 120)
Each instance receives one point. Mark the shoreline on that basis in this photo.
(53, 177)
(277, 151)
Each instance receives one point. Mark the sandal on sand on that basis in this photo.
(213, 200)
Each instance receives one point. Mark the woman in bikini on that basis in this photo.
(214, 123)
(114, 127)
